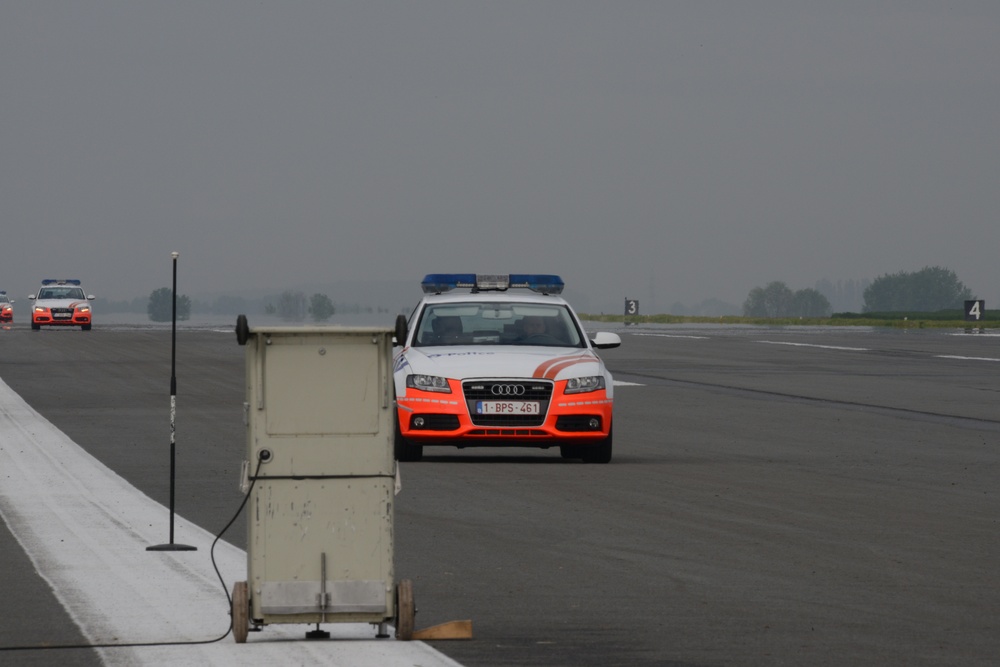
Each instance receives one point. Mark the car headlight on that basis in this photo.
(584, 384)
(428, 383)
(41, 309)
(83, 309)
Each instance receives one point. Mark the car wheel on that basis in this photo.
(403, 449)
(35, 327)
(85, 327)
(599, 453)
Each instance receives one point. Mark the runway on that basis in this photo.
(778, 496)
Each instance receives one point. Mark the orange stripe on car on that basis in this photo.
(551, 368)
(545, 365)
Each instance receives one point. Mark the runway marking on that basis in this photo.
(955, 356)
(825, 347)
(659, 335)
(86, 530)
(620, 383)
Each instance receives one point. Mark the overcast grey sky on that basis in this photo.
(654, 150)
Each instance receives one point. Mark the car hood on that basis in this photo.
(477, 361)
(60, 303)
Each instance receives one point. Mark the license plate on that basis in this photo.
(62, 316)
(508, 407)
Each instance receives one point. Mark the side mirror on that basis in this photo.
(401, 330)
(604, 340)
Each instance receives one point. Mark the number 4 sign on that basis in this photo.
(975, 310)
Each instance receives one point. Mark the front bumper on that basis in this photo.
(451, 419)
(48, 320)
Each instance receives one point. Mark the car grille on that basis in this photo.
(515, 390)
(62, 313)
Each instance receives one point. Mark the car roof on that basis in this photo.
(494, 297)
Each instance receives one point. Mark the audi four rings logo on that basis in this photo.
(507, 390)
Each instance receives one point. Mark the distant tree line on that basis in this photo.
(161, 306)
(930, 289)
(776, 299)
(292, 306)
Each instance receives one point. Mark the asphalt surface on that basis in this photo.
(778, 496)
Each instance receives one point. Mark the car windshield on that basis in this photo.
(61, 293)
(497, 323)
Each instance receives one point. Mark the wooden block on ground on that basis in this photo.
(449, 630)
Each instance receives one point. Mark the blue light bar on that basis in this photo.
(52, 281)
(538, 282)
(438, 283)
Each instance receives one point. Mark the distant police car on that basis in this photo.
(6, 309)
(61, 303)
(490, 367)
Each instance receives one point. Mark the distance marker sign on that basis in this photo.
(975, 310)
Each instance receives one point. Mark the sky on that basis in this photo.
(667, 151)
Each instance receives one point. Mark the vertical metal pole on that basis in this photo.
(173, 414)
(173, 391)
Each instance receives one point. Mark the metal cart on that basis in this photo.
(321, 479)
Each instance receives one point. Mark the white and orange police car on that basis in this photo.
(6, 309)
(500, 360)
(61, 303)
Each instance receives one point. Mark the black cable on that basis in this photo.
(229, 600)
(246, 497)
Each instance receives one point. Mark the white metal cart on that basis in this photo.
(321, 476)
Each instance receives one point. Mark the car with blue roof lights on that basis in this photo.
(501, 361)
(61, 303)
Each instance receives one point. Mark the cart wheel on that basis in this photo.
(405, 610)
(241, 612)
(401, 331)
(242, 330)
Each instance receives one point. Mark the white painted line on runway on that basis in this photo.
(825, 347)
(619, 383)
(955, 356)
(86, 530)
(662, 335)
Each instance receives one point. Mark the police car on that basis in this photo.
(61, 303)
(500, 360)
(6, 309)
